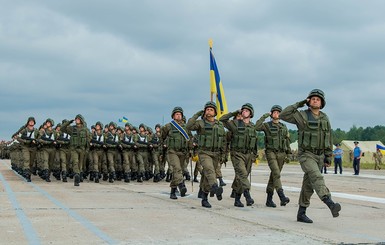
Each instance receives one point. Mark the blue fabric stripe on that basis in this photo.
(180, 129)
(29, 232)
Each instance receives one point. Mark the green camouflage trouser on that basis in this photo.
(242, 164)
(77, 157)
(176, 159)
(312, 178)
(210, 162)
(276, 160)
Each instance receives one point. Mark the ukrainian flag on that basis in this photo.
(216, 86)
(123, 120)
(381, 148)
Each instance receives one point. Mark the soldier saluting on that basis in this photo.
(79, 142)
(315, 148)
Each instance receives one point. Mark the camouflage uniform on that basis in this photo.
(79, 142)
(277, 145)
(315, 149)
(211, 144)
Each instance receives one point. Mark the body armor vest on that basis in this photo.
(175, 140)
(213, 137)
(245, 138)
(276, 136)
(79, 137)
(316, 135)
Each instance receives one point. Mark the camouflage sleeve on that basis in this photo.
(193, 123)
(329, 150)
(65, 127)
(291, 114)
(229, 124)
(259, 125)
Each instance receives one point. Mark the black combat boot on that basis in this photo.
(27, 175)
(221, 182)
(140, 177)
(64, 176)
(112, 177)
(56, 174)
(237, 202)
(97, 177)
(216, 190)
(301, 215)
(134, 176)
(168, 177)
(182, 189)
(232, 195)
(162, 174)
(172, 194)
(249, 200)
(46, 175)
(284, 200)
(127, 177)
(205, 201)
(195, 179)
(119, 175)
(200, 193)
(269, 200)
(34, 171)
(81, 175)
(105, 176)
(76, 179)
(157, 178)
(92, 176)
(334, 207)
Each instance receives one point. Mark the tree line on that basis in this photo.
(354, 133)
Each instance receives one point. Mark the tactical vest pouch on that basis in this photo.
(314, 140)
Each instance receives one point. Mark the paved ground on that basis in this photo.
(142, 213)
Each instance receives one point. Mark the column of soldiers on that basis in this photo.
(71, 150)
(140, 154)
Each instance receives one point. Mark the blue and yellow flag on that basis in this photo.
(381, 148)
(216, 87)
(123, 120)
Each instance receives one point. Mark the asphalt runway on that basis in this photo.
(142, 213)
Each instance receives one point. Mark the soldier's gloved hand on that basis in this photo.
(302, 103)
(200, 113)
(266, 115)
(71, 121)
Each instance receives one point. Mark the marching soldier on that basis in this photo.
(111, 142)
(243, 150)
(315, 149)
(63, 141)
(141, 142)
(48, 141)
(211, 145)
(79, 142)
(277, 149)
(26, 135)
(97, 151)
(175, 138)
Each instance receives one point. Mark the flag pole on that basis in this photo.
(211, 47)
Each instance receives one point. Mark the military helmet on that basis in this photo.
(92, 126)
(112, 124)
(149, 130)
(157, 125)
(99, 123)
(135, 128)
(80, 117)
(31, 119)
(319, 93)
(142, 126)
(276, 108)
(120, 128)
(64, 121)
(58, 125)
(128, 125)
(212, 105)
(175, 110)
(51, 121)
(250, 108)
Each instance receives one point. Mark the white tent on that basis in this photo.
(367, 147)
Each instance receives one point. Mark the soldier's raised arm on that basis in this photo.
(292, 115)
(225, 119)
(192, 123)
(259, 123)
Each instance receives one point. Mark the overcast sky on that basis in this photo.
(140, 59)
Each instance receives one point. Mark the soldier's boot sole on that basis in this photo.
(206, 204)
